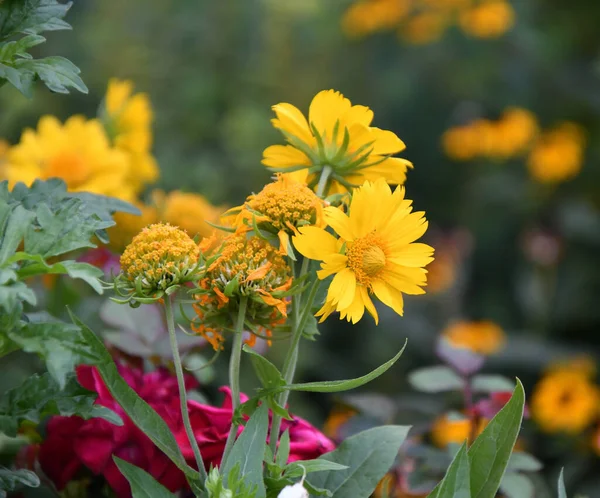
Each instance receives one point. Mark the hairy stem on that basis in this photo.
(234, 375)
(182, 393)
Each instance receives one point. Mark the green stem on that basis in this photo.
(182, 393)
(234, 375)
(325, 173)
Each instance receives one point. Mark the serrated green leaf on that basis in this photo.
(143, 485)
(267, 373)
(248, 451)
(11, 480)
(40, 396)
(368, 456)
(38, 266)
(59, 74)
(334, 386)
(15, 224)
(490, 452)
(61, 345)
(142, 415)
(562, 491)
(435, 379)
(456, 482)
(29, 16)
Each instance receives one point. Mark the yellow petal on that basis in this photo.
(333, 263)
(284, 156)
(315, 243)
(386, 142)
(327, 107)
(342, 289)
(415, 255)
(368, 303)
(326, 310)
(388, 295)
(355, 310)
(339, 221)
(359, 114)
(284, 239)
(405, 279)
(259, 272)
(393, 169)
(290, 119)
(369, 203)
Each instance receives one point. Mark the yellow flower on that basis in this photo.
(78, 152)
(446, 430)
(489, 19)
(243, 267)
(425, 27)
(128, 119)
(280, 208)
(558, 154)
(188, 211)
(159, 257)
(441, 273)
(339, 135)
(564, 401)
(129, 225)
(367, 16)
(516, 129)
(375, 252)
(480, 337)
(461, 143)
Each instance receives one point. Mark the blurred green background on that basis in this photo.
(214, 68)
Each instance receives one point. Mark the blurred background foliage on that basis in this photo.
(509, 249)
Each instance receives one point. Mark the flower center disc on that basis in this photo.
(373, 260)
(70, 167)
(366, 258)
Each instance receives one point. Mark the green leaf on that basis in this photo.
(491, 383)
(11, 480)
(31, 16)
(334, 386)
(456, 482)
(266, 372)
(59, 74)
(13, 225)
(435, 379)
(40, 396)
(515, 485)
(562, 491)
(143, 485)
(142, 415)
(301, 467)
(368, 456)
(524, 462)
(283, 450)
(490, 452)
(61, 345)
(248, 451)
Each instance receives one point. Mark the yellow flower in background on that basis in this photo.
(128, 118)
(461, 143)
(557, 155)
(482, 337)
(280, 208)
(374, 252)
(516, 130)
(188, 211)
(423, 28)
(488, 19)
(4, 146)
(337, 135)
(447, 430)
(77, 151)
(564, 401)
(368, 16)
(129, 225)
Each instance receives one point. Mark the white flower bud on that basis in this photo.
(295, 491)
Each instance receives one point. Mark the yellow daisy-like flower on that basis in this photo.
(280, 208)
(446, 431)
(187, 210)
(483, 337)
(128, 118)
(558, 154)
(375, 252)
(488, 19)
(564, 401)
(243, 267)
(77, 151)
(159, 257)
(337, 135)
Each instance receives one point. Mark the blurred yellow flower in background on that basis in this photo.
(77, 151)
(483, 337)
(424, 28)
(128, 119)
(129, 225)
(4, 146)
(375, 252)
(488, 19)
(447, 430)
(368, 16)
(337, 135)
(557, 155)
(564, 401)
(188, 211)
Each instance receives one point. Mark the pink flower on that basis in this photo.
(489, 407)
(102, 258)
(73, 444)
